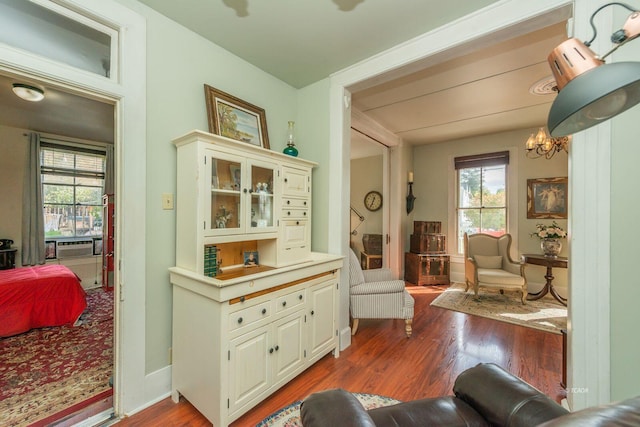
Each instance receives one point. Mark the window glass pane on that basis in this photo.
(49, 178)
(57, 194)
(469, 188)
(493, 187)
(89, 195)
(90, 182)
(39, 30)
(494, 221)
(89, 163)
(58, 220)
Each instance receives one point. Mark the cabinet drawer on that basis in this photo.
(291, 300)
(294, 203)
(294, 214)
(247, 316)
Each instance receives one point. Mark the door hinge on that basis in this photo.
(388, 239)
(227, 403)
(205, 160)
(336, 332)
(305, 353)
(228, 354)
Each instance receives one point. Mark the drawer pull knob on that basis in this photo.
(286, 180)
(300, 297)
(288, 202)
(305, 203)
(271, 350)
(284, 303)
(305, 214)
(264, 311)
(242, 298)
(239, 319)
(297, 222)
(312, 312)
(288, 212)
(277, 348)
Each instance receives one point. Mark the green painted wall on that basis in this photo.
(179, 63)
(625, 235)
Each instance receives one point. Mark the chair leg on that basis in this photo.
(467, 285)
(524, 297)
(354, 326)
(407, 327)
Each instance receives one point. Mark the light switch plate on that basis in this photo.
(167, 201)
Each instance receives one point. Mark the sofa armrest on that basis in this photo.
(389, 287)
(378, 275)
(335, 407)
(503, 399)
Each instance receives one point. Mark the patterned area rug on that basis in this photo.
(44, 371)
(545, 314)
(290, 415)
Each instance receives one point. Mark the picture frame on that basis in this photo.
(251, 259)
(234, 118)
(50, 249)
(547, 198)
(97, 246)
(236, 176)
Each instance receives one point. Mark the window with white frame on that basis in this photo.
(72, 188)
(481, 202)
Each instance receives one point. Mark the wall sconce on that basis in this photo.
(410, 197)
(590, 91)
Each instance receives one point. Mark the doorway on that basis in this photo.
(77, 360)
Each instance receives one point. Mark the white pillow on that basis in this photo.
(488, 261)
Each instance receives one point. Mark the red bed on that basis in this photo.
(34, 297)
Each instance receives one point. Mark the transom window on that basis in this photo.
(72, 188)
(482, 194)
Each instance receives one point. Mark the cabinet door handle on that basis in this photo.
(284, 303)
(239, 319)
(286, 180)
(277, 348)
(245, 191)
(264, 311)
(270, 350)
(312, 312)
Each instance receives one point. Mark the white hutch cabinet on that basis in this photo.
(240, 333)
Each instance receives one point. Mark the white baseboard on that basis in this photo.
(345, 338)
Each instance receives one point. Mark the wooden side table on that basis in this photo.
(549, 262)
(369, 262)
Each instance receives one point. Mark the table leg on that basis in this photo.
(548, 288)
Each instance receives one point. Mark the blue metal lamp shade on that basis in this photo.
(594, 97)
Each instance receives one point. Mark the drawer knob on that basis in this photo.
(277, 348)
(312, 312)
(270, 350)
(264, 311)
(242, 298)
(288, 212)
(304, 213)
(288, 202)
(286, 180)
(239, 319)
(297, 222)
(284, 303)
(305, 203)
(300, 297)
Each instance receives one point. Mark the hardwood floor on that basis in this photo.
(381, 360)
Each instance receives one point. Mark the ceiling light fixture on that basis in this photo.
(590, 91)
(28, 92)
(542, 145)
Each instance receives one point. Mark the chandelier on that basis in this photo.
(542, 145)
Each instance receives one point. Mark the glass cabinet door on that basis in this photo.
(262, 179)
(225, 210)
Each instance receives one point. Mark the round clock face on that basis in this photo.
(373, 200)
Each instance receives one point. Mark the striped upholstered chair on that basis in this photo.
(375, 294)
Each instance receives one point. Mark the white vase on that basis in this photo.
(551, 247)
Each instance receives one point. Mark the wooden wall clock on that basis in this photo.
(373, 201)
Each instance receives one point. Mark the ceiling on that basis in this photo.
(486, 91)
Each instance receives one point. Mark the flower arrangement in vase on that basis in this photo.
(550, 236)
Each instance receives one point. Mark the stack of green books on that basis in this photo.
(210, 260)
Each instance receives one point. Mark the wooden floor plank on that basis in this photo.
(381, 360)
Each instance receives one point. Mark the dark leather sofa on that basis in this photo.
(485, 395)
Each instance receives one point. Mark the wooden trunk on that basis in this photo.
(425, 227)
(428, 243)
(426, 269)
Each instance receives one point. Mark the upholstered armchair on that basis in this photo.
(488, 263)
(375, 294)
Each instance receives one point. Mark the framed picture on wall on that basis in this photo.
(547, 198)
(236, 119)
(50, 251)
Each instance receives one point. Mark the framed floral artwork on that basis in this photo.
(236, 119)
(547, 198)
